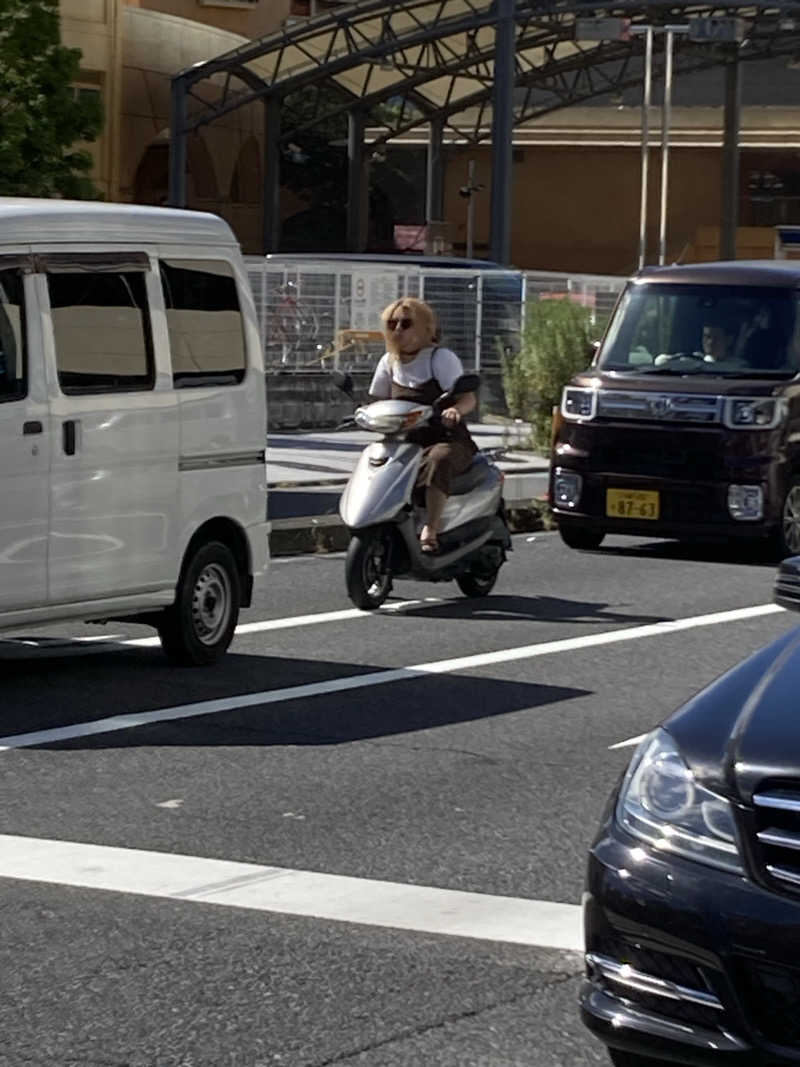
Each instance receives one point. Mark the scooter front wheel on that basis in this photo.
(366, 568)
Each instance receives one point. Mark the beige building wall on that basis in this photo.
(95, 27)
(245, 17)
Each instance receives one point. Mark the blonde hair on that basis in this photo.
(422, 315)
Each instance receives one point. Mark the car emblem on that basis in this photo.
(660, 405)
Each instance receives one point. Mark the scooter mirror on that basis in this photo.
(343, 382)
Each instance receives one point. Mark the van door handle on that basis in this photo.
(70, 437)
(32, 427)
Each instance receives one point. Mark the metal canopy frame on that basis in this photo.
(459, 67)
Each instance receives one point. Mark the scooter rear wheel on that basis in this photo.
(366, 568)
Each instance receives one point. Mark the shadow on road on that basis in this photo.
(135, 681)
(746, 552)
(531, 609)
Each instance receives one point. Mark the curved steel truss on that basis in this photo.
(459, 66)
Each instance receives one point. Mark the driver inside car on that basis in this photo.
(416, 368)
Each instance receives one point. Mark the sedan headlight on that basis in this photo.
(661, 803)
(753, 412)
(578, 403)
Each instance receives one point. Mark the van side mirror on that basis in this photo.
(787, 584)
(343, 382)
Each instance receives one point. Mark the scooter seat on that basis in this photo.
(471, 478)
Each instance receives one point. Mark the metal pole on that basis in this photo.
(471, 209)
(648, 83)
(271, 225)
(666, 116)
(356, 178)
(478, 323)
(434, 201)
(730, 158)
(177, 145)
(503, 130)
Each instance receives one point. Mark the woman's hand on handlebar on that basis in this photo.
(452, 415)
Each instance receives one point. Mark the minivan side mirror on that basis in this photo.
(787, 584)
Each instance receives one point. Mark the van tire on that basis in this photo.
(581, 537)
(198, 628)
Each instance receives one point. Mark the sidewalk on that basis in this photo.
(307, 471)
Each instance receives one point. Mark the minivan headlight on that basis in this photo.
(753, 412)
(578, 403)
(661, 802)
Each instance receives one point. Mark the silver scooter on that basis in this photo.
(385, 513)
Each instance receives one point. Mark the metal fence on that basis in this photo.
(325, 314)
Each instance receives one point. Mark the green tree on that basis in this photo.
(42, 118)
(554, 346)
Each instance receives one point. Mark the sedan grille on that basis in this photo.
(778, 834)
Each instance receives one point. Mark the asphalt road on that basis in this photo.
(483, 777)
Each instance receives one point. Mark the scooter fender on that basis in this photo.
(381, 484)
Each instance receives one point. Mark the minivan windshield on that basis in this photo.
(733, 330)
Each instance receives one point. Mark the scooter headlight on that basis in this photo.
(387, 422)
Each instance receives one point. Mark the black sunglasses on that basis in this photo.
(399, 324)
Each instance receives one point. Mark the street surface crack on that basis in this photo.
(447, 1020)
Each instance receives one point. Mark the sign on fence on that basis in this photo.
(371, 293)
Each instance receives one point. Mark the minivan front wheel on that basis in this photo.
(199, 626)
(581, 537)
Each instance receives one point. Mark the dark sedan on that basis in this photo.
(692, 908)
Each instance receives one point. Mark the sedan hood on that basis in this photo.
(745, 726)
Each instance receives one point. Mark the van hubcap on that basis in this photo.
(211, 603)
(791, 520)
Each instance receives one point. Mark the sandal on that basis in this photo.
(429, 545)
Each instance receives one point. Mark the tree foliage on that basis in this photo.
(555, 344)
(42, 118)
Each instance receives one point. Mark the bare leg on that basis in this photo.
(435, 501)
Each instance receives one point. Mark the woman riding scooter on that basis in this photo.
(415, 368)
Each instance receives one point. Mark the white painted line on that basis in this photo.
(382, 677)
(288, 622)
(629, 743)
(337, 898)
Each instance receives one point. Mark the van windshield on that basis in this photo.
(738, 331)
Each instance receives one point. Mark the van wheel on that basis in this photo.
(199, 626)
(366, 568)
(787, 536)
(581, 537)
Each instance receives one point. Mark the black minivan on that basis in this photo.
(687, 423)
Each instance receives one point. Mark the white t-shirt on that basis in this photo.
(444, 366)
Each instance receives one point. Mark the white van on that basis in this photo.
(132, 422)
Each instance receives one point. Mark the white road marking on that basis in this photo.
(382, 677)
(627, 744)
(455, 913)
(290, 621)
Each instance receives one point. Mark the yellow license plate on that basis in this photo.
(632, 503)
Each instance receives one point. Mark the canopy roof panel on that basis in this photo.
(405, 63)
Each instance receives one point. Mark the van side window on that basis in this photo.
(13, 383)
(206, 333)
(102, 330)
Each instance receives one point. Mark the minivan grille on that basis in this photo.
(659, 407)
(778, 834)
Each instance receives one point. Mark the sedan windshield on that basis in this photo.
(741, 331)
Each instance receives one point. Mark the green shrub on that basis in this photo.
(555, 345)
